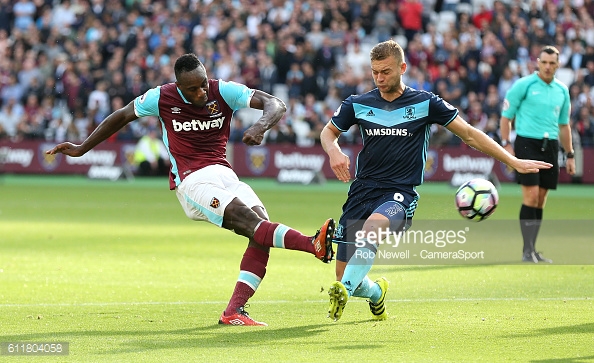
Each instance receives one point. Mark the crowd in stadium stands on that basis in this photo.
(66, 64)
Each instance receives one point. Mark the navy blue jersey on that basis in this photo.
(395, 134)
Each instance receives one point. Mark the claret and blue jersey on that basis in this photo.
(395, 134)
(194, 136)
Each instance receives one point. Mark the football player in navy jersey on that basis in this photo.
(395, 122)
(195, 114)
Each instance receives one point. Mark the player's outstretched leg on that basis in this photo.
(241, 317)
(338, 299)
(280, 236)
(378, 307)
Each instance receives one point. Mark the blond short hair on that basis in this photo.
(386, 49)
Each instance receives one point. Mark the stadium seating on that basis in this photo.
(565, 75)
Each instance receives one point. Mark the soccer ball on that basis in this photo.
(477, 199)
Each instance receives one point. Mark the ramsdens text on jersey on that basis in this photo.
(197, 125)
(386, 132)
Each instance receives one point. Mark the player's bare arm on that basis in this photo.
(274, 109)
(108, 127)
(565, 137)
(482, 142)
(339, 162)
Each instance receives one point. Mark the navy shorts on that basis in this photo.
(528, 148)
(366, 198)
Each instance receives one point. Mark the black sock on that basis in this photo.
(528, 226)
(538, 222)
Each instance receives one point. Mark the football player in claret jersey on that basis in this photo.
(395, 122)
(195, 114)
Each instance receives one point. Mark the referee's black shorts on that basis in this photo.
(528, 148)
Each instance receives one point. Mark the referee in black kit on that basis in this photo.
(540, 105)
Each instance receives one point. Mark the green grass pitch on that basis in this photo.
(119, 272)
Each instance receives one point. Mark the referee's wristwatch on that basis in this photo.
(504, 143)
(570, 155)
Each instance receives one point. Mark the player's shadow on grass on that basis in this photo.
(227, 337)
(213, 336)
(219, 336)
(566, 360)
(570, 329)
(357, 347)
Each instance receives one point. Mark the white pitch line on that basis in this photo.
(291, 302)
